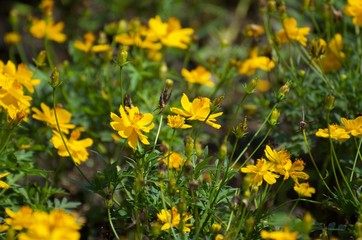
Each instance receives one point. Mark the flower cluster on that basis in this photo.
(343, 132)
(36, 224)
(199, 109)
(276, 164)
(77, 148)
(13, 81)
(172, 218)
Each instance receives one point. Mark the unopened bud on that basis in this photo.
(169, 83)
(122, 57)
(317, 48)
(271, 6)
(215, 228)
(216, 103)
(240, 129)
(274, 117)
(283, 91)
(189, 146)
(55, 79)
(329, 102)
(39, 61)
(250, 87)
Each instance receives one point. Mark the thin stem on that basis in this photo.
(111, 223)
(256, 134)
(63, 140)
(314, 163)
(158, 132)
(358, 153)
(49, 52)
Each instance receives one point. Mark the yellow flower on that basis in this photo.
(20, 74)
(78, 148)
(219, 237)
(11, 88)
(176, 121)
(249, 66)
(254, 30)
(48, 117)
(291, 32)
(56, 225)
(19, 220)
(4, 184)
(131, 123)
(173, 160)
(336, 132)
(262, 170)
(303, 189)
(198, 75)
(276, 157)
(279, 235)
(87, 45)
(170, 34)
(173, 219)
(12, 38)
(48, 29)
(199, 109)
(334, 56)
(354, 126)
(296, 170)
(354, 9)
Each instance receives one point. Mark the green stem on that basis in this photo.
(314, 163)
(158, 132)
(111, 223)
(358, 153)
(63, 140)
(256, 133)
(49, 52)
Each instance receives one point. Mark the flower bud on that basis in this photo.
(54, 79)
(240, 129)
(39, 61)
(329, 102)
(216, 103)
(317, 48)
(271, 6)
(283, 91)
(189, 146)
(274, 117)
(250, 87)
(169, 83)
(122, 57)
(215, 228)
